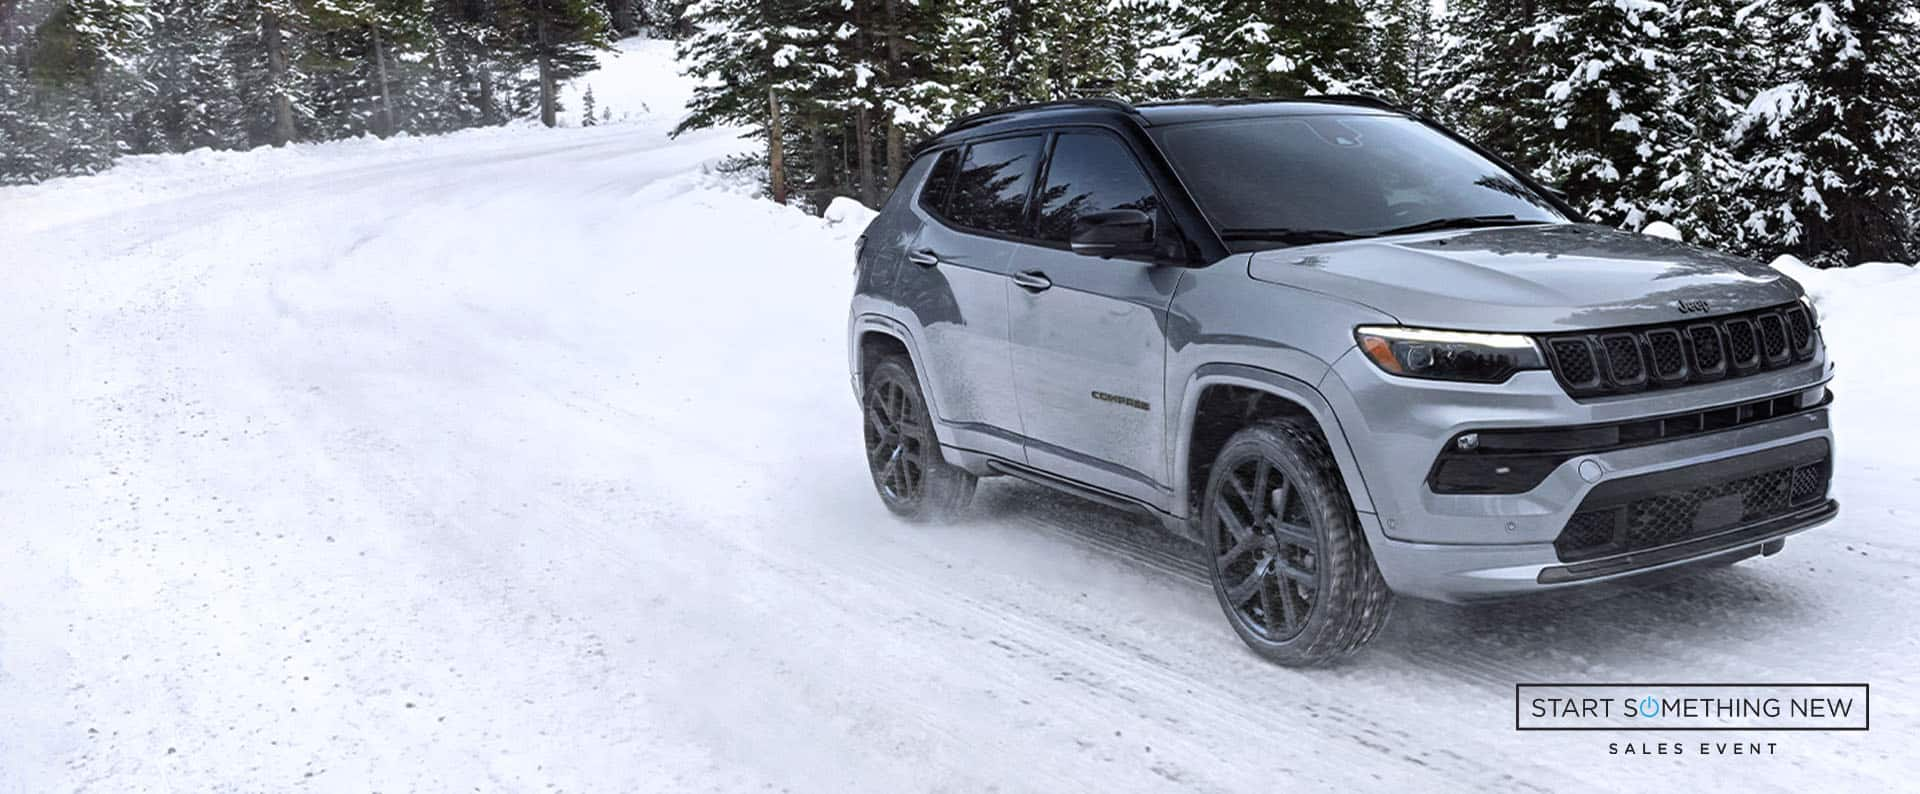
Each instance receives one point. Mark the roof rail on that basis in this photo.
(1367, 100)
(986, 115)
(1342, 99)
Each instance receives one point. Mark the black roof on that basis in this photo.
(1153, 114)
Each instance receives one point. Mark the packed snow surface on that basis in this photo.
(526, 460)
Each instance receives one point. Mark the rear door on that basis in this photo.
(955, 282)
(1089, 334)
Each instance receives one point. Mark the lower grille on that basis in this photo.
(1654, 510)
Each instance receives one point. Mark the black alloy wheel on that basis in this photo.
(1272, 550)
(903, 454)
(1290, 563)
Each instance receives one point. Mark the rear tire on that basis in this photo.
(1290, 565)
(903, 454)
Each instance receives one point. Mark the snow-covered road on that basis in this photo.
(526, 460)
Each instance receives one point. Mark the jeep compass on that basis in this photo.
(1346, 351)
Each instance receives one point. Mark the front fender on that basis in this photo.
(1294, 390)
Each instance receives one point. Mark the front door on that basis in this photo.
(1089, 334)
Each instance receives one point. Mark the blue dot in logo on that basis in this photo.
(1649, 707)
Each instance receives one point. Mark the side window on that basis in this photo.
(1090, 172)
(990, 189)
(939, 183)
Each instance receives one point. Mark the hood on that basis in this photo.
(1529, 278)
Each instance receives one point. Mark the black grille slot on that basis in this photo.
(1669, 354)
(1624, 364)
(1773, 339)
(1741, 342)
(1652, 357)
(1654, 510)
(1800, 331)
(1574, 360)
(1709, 357)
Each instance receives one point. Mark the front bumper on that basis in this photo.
(1467, 546)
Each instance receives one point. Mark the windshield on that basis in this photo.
(1304, 179)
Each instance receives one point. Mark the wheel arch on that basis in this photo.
(1215, 387)
(869, 332)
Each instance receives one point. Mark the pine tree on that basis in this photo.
(193, 102)
(1400, 49)
(768, 64)
(1716, 67)
(1493, 80)
(271, 80)
(1608, 92)
(587, 117)
(560, 38)
(1256, 48)
(1832, 143)
(356, 53)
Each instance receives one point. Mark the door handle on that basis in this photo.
(923, 257)
(1032, 281)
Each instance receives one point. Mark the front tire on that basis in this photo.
(1289, 562)
(903, 455)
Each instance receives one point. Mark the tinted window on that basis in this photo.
(940, 182)
(1089, 172)
(1356, 175)
(990, 190)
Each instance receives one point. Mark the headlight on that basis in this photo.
(1448, 355)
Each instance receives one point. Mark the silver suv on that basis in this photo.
(1346, 351)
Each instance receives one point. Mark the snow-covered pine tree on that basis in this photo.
(366, 54)
(1492, 79)
(1401, 48)
(27, 139)
(560, 38)
(75, 62)
(1717, 63)
(1610, 85)
(779, 68)
(482, 81)
(587, 110)
(267, 57)
(1832, 143)
(193, 102)
(1258, 48)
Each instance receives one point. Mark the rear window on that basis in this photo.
(990, 188)
(940, 183)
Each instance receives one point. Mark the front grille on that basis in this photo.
(1665, 356)
(1661, 509)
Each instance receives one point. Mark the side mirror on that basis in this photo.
(1113, 233)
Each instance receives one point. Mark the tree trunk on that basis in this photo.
(869, 193)
(776, 159)
(896, 78)
(387, 126)
(489, 111)
(625, 21)
(549, 103)
(277, 76)
(822, 188)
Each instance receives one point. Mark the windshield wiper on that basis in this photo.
(1467, 222)
(1292, 236)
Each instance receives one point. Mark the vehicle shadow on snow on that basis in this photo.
(1621, 626)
